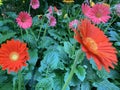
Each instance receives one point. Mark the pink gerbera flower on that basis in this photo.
(24, 20)
(52, 21)
(35, 4)
(73, 24)
(86, 9)
(99, 13)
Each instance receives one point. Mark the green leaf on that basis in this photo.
(63, 55)
(52, 58)
(114, 36)
(30, 40)
(65, 78)
(1, 23)
(69, 49)
(8, 21)
(91, 73)
(114, 74)
(61, 65)
(46, 42)
(105, 85)
(11, 14)
(45, 84)
(102, 73)
(28, 76)
(55, 34)
(35, 20)
(33, 56)
(6, 36)
(85, 86)
(117, 43)
(80, 72)
(6, 86)
(6, 82)
(4, 29)
(75, 81)
(58, 81)
(118, 24)
(93, 64)
(81, 55)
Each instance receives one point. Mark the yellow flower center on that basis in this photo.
(14, 56)
(91, 44)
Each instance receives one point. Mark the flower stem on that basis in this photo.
(33, 34)
(27, 35)
(40, 29)
(45, 30)
(39, 32)
(19, 80)
(21, 33)
(110, 24)
(71, 72)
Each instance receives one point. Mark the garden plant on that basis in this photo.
(59, 45)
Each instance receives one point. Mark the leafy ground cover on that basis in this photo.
(59, 45)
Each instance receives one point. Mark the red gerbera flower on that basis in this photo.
(13, 55)
(24, 20)
(96, 45)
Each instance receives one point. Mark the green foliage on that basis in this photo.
(53, 50)
(80, 72)
(85, 86)
(45, 84)
(6, 36)
(105, 85)
(5, 81)
(6, 85)
(69, 49)
(58, 81)
(51, 59)
(33, 57)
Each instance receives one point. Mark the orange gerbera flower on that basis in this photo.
(13, 55)
(96, 45)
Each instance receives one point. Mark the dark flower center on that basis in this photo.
(23, 19)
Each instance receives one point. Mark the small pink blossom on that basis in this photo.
(24, 20)
(52, 21)
(50, 9)
(35, 4)
(73, 24)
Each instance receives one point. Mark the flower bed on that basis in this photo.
(59, 45)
